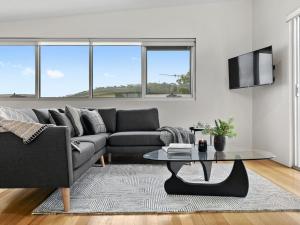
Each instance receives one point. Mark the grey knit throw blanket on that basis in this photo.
(27, 131)
(175, 135)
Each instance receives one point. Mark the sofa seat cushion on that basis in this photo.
(87, 150)
(99, 140)
(135, 138)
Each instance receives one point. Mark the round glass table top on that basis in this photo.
(209, 155)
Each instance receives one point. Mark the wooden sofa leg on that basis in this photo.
(65, 192)
(102, 161)
(109, 157)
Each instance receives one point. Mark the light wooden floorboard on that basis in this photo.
(16, 206)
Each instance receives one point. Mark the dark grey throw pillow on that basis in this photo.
(74, 115)
(92, 122)
(60, 119)
(42, 115)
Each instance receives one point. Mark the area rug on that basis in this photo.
(132, 189)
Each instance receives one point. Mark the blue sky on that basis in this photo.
(160, 63)
(17, 64)
(65, 69)
(116, 65)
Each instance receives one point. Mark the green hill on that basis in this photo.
(182, 86)
(134, 90)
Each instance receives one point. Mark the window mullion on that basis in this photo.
(37, 71)
(91, 71)
(193, 71)
(144, 70)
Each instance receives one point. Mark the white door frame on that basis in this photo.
(294, 72)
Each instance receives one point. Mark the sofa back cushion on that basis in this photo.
(109, 117)
(29, 113)
(137, 120)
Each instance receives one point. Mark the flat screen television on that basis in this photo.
(251, 69)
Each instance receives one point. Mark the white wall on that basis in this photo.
(223, 30)
(272, 106)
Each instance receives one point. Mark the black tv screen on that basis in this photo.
(251, 69)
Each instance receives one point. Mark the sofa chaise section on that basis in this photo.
(136, 133)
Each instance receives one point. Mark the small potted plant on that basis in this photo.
(220, 131)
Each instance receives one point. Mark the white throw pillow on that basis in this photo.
(74, 115)
(8, 113)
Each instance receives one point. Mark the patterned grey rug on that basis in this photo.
(123, 189)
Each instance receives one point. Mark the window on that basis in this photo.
(17, 71)
(64, 71)
(117, 71)
(97, 68)
(168, 71)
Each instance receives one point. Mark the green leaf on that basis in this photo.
(221, 128)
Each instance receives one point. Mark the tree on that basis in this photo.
(184, 83)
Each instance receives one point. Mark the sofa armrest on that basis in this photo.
(45, 162)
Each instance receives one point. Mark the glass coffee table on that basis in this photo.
(236, 184)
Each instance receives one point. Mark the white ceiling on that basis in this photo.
(28, 9)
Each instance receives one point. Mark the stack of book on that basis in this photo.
(178, 148)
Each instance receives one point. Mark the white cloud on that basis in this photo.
(14, 66)
(55, 74)
(109, 75)
(28, 71)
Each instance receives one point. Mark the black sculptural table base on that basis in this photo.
(236, 184)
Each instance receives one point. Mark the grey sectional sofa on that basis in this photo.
(49, 161)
